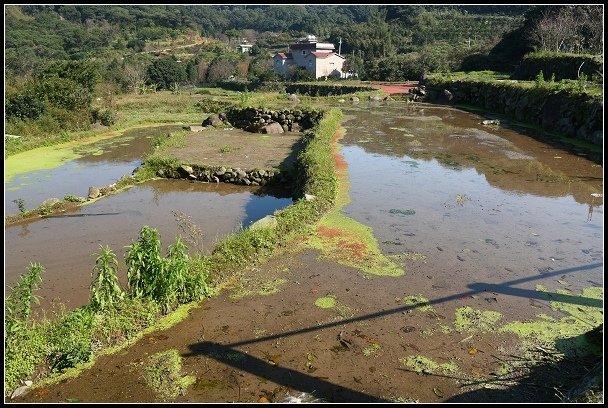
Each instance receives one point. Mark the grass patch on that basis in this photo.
(326, 302)
(163, 373)
(424, 365)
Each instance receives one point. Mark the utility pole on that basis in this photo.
(469, 41)
(340, 47)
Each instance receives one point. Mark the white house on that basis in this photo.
(318, 58)
(245, 47)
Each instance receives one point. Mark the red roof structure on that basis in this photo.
(321, 54)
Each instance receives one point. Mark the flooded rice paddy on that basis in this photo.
(65, 244)
(463, 206)
(460, 205)
(477, 216)
(100, 163)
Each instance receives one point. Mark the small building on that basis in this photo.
(320, 59)
(245, 47)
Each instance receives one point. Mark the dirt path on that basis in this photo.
(395, 88)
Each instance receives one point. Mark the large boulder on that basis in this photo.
(93, 192)
(185, 171)
(271, 128)
(212, 120)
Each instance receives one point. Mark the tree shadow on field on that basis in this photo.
(546, 378)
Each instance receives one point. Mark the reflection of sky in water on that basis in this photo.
(115, 221)
(381, 182)
(69, 178)
(104, 162)
(259, 207)
(420, 206)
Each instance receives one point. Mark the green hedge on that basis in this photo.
(562, 65)
(572, 113)
(325, 89)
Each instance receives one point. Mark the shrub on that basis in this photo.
(18, 303)
(24, 104)
(540, 78)
(107, 117)
(70, 340)
(144, 262)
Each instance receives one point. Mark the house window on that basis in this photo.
(303, 52)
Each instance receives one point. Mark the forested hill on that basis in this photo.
(37, 33)
(65, 63)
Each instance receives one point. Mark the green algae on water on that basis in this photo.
(326, 302)
(469, 319)
(424, 365)
(583, 313)
(419, 302)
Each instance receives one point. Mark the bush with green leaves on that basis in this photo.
(25, 103)
(166, 280)
(24, 346)
(18, 304)
(540, 78)
(107, 117)
(70, 340)
(144, 263)
(166, 71)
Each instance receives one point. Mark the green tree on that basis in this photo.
(165, 71)
(26, 103)
(84, 73)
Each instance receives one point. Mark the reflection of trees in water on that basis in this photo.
(489, 154)
(24, 230)
(594, 196)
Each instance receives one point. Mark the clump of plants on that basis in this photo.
(156, 285)
(167, 280)
(20, 202)
(163, 374)
(425, 365)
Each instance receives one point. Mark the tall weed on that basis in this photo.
(105, 290)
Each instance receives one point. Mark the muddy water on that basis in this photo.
(65, 244)
(465, 206)
(102, 163)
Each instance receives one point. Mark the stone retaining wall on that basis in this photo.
(575, 115)
(252, 119)
(255, 177)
